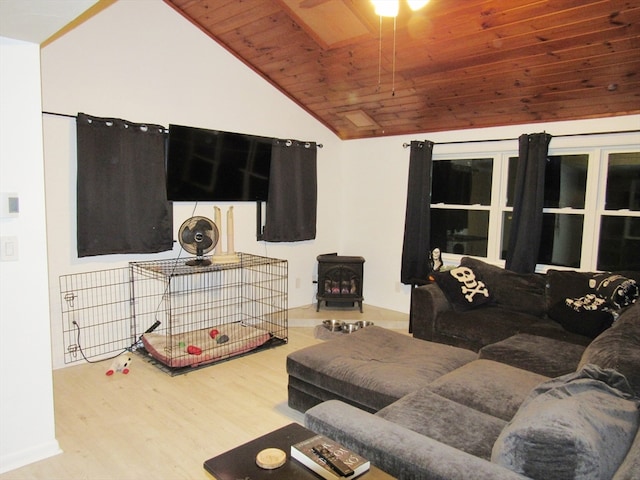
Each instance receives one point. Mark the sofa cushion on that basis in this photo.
(447, 421)
(520, 292)
(489, 324)
(631, 465)
(543, 355)
(489, 387)
(563, 284)
(463, 287)
(619, 347)
(583, 315)
(374, 366)
(578, 426)
(396, 450)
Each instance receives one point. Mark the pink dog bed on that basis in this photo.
(172, 350)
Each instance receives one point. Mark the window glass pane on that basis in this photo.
(565, 181)
(619, 247)
(464, 232)
(623, 181)
(462, 182)
(561, 239)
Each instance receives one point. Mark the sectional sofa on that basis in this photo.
(516, 403)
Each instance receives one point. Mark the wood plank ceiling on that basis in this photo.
(457, 64)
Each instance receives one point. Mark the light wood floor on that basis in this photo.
(148, 424)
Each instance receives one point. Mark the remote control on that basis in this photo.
(334, 462)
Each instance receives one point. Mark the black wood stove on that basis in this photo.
(340, 279)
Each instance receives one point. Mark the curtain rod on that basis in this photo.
(319, 145)
(405, 145)
(60, 114)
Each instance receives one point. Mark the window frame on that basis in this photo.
(598, 147)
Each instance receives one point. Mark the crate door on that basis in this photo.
(96, 314)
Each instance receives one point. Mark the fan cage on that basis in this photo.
(191, 247)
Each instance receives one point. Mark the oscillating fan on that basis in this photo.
(198, 236)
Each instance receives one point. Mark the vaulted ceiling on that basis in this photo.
(461, 64)
(452, 65)
(457, 64)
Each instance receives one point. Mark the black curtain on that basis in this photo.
(121, 193)
(526, 226)
(416, 246)
(293, 192)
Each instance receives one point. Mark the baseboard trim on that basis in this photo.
(27, 456)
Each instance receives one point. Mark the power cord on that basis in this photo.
(131, 348)
(82, 352)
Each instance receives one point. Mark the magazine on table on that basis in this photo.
(329, 459)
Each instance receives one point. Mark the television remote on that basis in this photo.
(334, 462)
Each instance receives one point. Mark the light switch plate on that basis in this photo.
(9, 249)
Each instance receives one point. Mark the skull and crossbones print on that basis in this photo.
(470, 285)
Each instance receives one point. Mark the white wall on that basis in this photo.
(167, 72)
(27, 431)
(374, 173)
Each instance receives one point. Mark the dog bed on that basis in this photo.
(198, 347)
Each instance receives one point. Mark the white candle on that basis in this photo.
(217, 220)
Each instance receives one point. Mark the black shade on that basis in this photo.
(415, 250)
(526, 226)
(122, 203)
(293, 192)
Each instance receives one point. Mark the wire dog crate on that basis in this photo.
(193, 316)
(96, 312)
(181, 316)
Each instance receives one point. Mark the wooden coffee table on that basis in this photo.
(239, 463)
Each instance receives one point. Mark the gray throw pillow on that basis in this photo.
(575, 427)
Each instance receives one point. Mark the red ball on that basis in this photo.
(213, 333)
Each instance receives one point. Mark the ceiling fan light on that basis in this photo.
(386, 8)
(417, 4)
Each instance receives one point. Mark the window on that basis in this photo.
(564, 199)
(591, 216)
(620, 221)
(461, 199)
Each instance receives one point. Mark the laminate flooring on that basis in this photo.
(151, 425)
